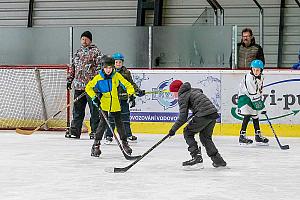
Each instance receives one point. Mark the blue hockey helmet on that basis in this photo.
(257, 64)
(118, 56)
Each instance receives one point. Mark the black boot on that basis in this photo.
(132, 138)
(260, 138)
(218, 161)
(108, 140)
(92, 135)
(72, 132)
(196, 161)
(126, 147)
(95, 151)
(243, 139)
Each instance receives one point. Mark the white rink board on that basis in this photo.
(281, 91)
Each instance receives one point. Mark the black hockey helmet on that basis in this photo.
(106, 60)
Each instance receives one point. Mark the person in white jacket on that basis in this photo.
(250, 102)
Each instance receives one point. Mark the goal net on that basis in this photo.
(29, 95)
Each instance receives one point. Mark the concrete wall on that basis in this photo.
(176, 12)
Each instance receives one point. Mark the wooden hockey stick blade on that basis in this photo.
(24, 132)
(30, 132)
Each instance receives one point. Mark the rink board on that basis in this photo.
(155, 113)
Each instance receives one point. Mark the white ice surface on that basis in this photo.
(47, 166)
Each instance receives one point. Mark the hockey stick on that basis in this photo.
(29, 132)
(125, 169)
(148, 92)
(157, 92)
(128, 157)
(283, 147)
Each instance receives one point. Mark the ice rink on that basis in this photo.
(46, 166)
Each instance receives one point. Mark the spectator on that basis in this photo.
(83, 69)
(248, 50)
(297, 65)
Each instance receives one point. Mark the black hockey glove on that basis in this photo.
(69, 85)
(171, 132)
(96, 101)
(141, 93)
(131, 101)
(263, 112)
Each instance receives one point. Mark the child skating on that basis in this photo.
(250, 102)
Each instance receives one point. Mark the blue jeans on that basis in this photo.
(125, 115)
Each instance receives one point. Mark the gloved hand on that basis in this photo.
(171, 132)
(96, 101)
(69, 85)
(258, 105)
(141, 93)
(263, 112)
(131, 101)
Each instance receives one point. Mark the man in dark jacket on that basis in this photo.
(203, 122)
(84, 67)
(248, 50)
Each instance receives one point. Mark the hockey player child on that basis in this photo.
(203, 122)
(125, 112)
(105, 84)
(250, 102)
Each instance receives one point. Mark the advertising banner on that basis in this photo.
(281, 95)
(162, 106)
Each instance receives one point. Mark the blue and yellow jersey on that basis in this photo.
(108, 87)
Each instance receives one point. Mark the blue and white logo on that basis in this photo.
(165, 99)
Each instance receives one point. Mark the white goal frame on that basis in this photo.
(31, 94)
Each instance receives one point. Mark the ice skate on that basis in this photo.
(126, 147)
(92, 135)
(72, 133)
(108, 140)
(196, 163)
(132, 139)
(261, 140)
(95, 151)
(243, 140)
(218, 161)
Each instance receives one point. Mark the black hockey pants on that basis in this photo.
(205, 127)
(125, 112)
(103, 125)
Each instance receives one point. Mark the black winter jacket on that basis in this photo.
(192, 99)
